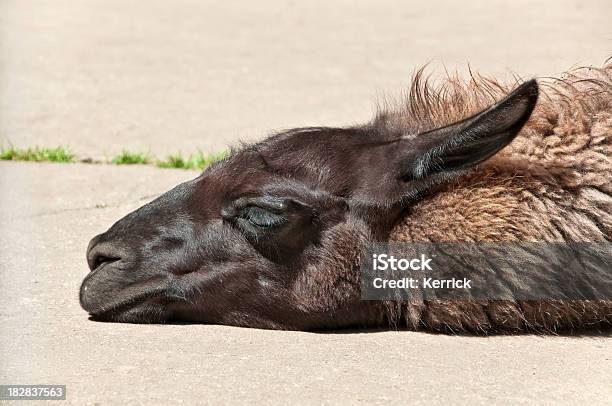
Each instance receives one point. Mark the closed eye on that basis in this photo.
(261, 218)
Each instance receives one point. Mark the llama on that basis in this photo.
(272, 236)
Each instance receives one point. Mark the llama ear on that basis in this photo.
(447, 150)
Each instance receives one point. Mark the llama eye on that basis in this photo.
(262, 218)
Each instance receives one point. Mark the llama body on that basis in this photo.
(552, 183)
(272, 236)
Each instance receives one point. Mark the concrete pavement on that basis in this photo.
(47, 218)
(104, 75)
(164, 76)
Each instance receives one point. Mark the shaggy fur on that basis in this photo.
(552, 183)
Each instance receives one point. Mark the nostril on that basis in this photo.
(101, 253)
(102, 259)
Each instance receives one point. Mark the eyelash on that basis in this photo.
(262, 218)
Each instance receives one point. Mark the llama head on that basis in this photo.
(271, 236)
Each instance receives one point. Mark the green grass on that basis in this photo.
(198, 160)
(37, 154)
(194, 161)
(131, 158)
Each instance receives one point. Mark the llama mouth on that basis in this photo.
(144, 308)
(104, 300)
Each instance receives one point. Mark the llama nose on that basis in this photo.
(100, 252)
